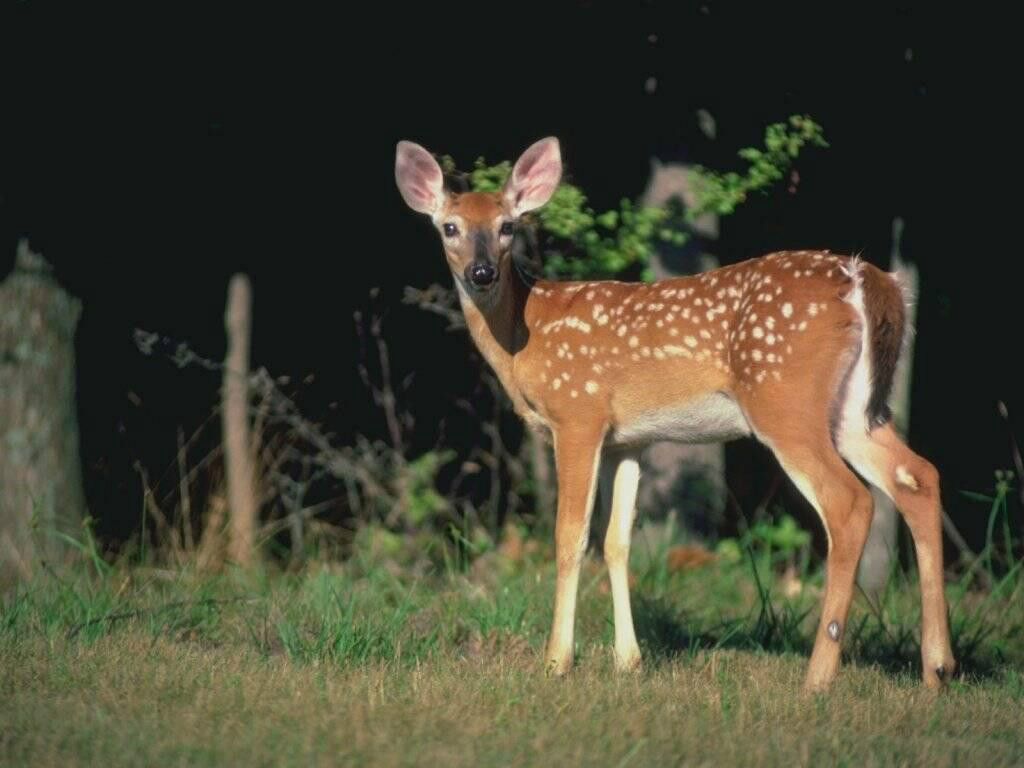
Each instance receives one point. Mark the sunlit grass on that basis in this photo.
(372, 665)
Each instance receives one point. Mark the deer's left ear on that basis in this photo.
(535, 176)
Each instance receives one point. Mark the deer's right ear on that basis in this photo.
(419, 178)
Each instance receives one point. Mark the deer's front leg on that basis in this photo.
(620, 477)
(577, 455)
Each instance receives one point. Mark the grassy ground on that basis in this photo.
(368, 664)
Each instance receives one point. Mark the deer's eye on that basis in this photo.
(450, 230)
(506, 228)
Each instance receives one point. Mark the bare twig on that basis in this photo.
(113, 617)
(1018, 462)
(156, 513)
(186, 501)
(383, 393)
(968, 555)
(438, 300)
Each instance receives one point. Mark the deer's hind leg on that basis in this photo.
(845, 507)
(913, 485)
(799, 435)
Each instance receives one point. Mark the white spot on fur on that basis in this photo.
(677, 351)
(787, 310)
(904, 478)
(580, 325)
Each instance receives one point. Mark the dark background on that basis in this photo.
(149, 152)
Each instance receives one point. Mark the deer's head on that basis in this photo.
(476, 228)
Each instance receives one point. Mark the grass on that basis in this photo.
(368, 664)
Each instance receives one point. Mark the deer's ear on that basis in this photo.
(535, 176)
(419, 178)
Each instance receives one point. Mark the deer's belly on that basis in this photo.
(710, 418)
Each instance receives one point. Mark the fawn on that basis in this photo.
(796, 348)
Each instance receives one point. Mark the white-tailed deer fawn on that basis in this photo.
(795, 348)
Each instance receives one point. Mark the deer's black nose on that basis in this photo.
(482, 274)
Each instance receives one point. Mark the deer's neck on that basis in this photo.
(498, 326)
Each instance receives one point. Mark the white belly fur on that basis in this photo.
(712, 418)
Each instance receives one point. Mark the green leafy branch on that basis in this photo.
(586, 244)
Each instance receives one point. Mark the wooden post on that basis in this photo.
(683, 481)
(235, 414)
(40, 469)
